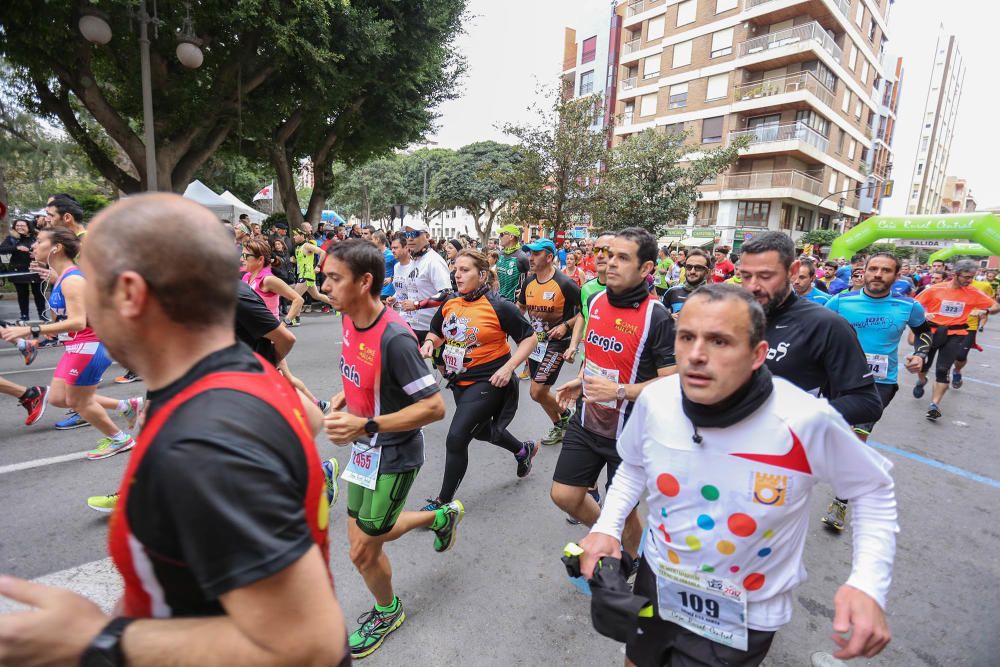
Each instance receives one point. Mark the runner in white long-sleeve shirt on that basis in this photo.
(726, 458)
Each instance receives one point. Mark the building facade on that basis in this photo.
(880, 158)
(956, 196)
(803, 79)
(944, 94)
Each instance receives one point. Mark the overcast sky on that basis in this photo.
(513, 45)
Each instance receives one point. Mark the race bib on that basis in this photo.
(952, 308)
(454, 357)
(363, 466)
(593, 370)
(878, 365)
(539, 352)
(710, 606)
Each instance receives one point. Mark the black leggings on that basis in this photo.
(475, 407)
(22, 298)
(947, 349)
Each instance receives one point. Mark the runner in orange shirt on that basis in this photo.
(949, 306)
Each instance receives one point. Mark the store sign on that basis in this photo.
(704, 233)
(675, 232)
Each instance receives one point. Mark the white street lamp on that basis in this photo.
(94, 26)
(190, 55)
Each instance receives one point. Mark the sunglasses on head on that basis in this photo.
(411, 234)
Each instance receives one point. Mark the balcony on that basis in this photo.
(843, 5)
(625, 118)
(635, 7)
(772, 180)
(791, 83)
(630, 83)
(785, 132)
(810, 35)
(631, 46)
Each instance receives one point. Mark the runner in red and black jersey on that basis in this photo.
(628, 343)
(472, 329)
(552, 303)
(389, 394)
(221, 531)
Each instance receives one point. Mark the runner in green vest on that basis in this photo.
(512, 266)
(589, 289)
(663, 265)
(305, 265)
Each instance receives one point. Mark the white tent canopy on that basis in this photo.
(255, 215)
(228, 208)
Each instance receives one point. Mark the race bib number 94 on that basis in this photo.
(878, 364)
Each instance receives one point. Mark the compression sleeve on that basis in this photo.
(922, 338)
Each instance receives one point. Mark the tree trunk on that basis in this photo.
(4, 226)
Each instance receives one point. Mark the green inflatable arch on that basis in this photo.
(981, 228)
(970, 249)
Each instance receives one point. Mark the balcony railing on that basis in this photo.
(766, 180)
(784, 84)
(797, 131)
(632, 46)
(630, 83)
(625, 118)
(843, 5)
(801, 33)
(635, 7)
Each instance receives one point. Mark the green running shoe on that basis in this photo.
(103, 503)
(555, 436)
(375, 625)
(446, 535)
(109, 447)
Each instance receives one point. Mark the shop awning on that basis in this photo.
(694, 242)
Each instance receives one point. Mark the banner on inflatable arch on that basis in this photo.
(959, 250)
(980, 228)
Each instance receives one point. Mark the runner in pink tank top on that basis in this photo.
(257, 261)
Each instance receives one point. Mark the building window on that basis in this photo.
(833, 182)
(686, 12)
(851, 149)
(915, 193)
(803, 220)
(814, 120)
(674, 129)
(858, 108)
(722, 43)
(647, 107)
(711, 130)
(718, 87)
(864, 72)
(589, 50)
(678, 96)
(840, 142)
(682, 54)
(725, 5)
(859, 17)
(823, 222)
(753, 213)
(872, 27)
(651, 67)
(845, 104)
(654, 30)
(920, 169)
(587, 83)
(853, 62)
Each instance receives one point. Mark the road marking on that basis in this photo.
(995, 347)
(97, 580)
(990, 384)
(28, 370)
(947, 467)
(38, 463)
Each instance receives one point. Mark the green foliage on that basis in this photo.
(234, 172)
(479, 179)
(647, 185)
(821, 238)
(904, 252)
(370, 190)
(561, 152)
(271, 220)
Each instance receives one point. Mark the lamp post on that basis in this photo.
(95, 28)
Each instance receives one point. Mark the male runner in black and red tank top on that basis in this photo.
(220, 534)
(628, 343)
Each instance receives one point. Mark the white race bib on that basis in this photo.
(362, 469)
(878, 364)
(454, 357)
(952, 308)
(708, 605)
(593, 370)
(539, 352)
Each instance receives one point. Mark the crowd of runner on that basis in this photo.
(718, 388)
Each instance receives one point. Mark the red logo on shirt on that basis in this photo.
(794, 459)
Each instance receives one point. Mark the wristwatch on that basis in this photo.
(106, 650)
(621, 392)
(36, 330)
(371, 427)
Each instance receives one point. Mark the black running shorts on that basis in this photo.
(970, 340)
(658, 643)
(583, 456)
(547, 370)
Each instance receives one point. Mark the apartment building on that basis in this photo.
(590, 63)
(956, 196)
(944, 93)
(800, 78)
(880, 158)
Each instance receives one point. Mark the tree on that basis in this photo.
(554, 181)
(819, 238)
(420, 167)
(369, 191)
(237, 173)
(478, 179)
(652, 181)
(325, 79)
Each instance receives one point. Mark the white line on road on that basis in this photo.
(38, 463)
(28, 370)
(97, 580)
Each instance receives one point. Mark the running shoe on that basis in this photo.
(35, 404)
(107, 447)
(933, 412)
(836, 515)
(71, 421)
(296, 322)
(596, 495)
(375, 626)
(325, 310)
(28, 350)
(291, 323)
(130, 376)
(524, 464)
(524, 373)
(324, 406)
(331, 471)
(956, 380)
(103, 503)
(132, 411)
(555, 436)
(432, 505)
(446, 536)
(918, 389)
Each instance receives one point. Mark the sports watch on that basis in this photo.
(106, 650)
(36, 330)
(371, 427)
(621, 392)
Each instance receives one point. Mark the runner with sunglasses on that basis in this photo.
(602, 250)
(697, 268)
(426, 275)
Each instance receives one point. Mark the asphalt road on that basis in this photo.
(501, 597)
